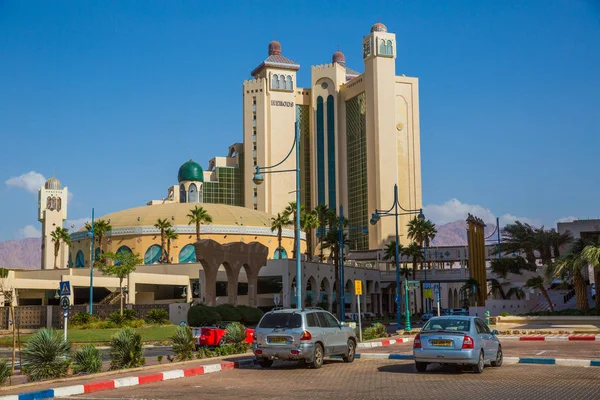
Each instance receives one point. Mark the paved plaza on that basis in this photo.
(373, 379)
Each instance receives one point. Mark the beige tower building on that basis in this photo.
(52, 211)
(359, 136)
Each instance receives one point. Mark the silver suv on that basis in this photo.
(306, 335)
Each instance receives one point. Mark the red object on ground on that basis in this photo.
(584, 337)
(211, 336)
(533, 337)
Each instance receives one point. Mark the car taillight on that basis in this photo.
(468, 342)
(306, 336)
(417, 341)
(258, 352)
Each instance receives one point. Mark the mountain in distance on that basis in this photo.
(455, 234)
(25, 253)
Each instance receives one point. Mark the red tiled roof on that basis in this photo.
(277, 61)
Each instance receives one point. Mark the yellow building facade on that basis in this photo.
(360, 135)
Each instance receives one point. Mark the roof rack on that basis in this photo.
(313, 308)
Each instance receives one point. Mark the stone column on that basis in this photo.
(252, 277)
(210, 284)
(233, 273)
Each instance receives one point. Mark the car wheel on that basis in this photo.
(421, 366)
(265, 363)
(317, 361)
(478, 368)
(499, 358)
(351, 352)
(221, 342)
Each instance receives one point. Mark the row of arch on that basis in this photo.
(284, 82)
(192, 195)
(385, 47)
(154, 255)
(54, 203)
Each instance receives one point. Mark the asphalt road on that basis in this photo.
(373, 379)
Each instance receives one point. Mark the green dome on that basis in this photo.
(190, 171)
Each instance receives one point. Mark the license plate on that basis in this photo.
(442, 343)
(277, 340)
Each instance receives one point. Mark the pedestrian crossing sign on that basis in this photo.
(65, 288)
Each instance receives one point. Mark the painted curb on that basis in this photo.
(565, 362)
(383, 343)
(535, 338)
(92, 387)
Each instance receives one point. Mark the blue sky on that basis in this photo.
(113, 96)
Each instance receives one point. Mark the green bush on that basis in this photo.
(83, 319)
(229, 313)
(373, 332)
(504, 314)
(569, 312)
(202, 315)
(250, 315)
(126, 350)
(183, 343)
(157, 316)
(234, 333)
(87, 359)
(124, 320)
(5, 370)
(46, 355)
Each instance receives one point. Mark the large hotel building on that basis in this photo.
(359, 136)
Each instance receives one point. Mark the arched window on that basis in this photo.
(70, 264)
(153, 255)
(52, 203)
(280, 254)
(79, 260)
(182, 193)
(389, 49)
(382, 49)
(193, 194)
(123, 249)
(281, 81)
(275, 81)
(58, 204)
(289, 85)
(48, 203)
(187, 254)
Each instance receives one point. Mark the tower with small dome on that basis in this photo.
(52, 211)
(359, 133)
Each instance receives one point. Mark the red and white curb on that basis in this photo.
(553, 338)
(129, 381)
(384, 343)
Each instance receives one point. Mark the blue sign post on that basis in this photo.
(65, 288)
(436, 290)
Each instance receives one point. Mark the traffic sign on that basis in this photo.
(428, 294)
(436, 288)
(65, 314)
(413, 285)
(65, 288)
(427, 285)
(65, 303)
(357, 287)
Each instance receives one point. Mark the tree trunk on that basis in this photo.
(597, 281)
(580, 291)
(279, 244)
(545, 294)
(162, 246)
(121, 290)
(197, 231)
(168, 251)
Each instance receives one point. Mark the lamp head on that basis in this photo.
(257, 179)
(421, 216)
(375, 217)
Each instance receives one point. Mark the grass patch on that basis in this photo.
(150, 333)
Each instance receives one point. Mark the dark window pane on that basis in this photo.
(331, 321)
(281, 320)
(447, 324)
(311, 320)
(322, 320)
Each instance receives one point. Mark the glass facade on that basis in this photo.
(187, 254)
(320, 153)
(228, 189)
(303, 118)
(358, 202)
(331, 170)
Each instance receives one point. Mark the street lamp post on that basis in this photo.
(340, 231)
(91, 235)
(258, 179)
(393, 212)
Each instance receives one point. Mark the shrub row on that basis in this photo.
(569, 312)
(201, 315)
(116, 320)
(184, 343)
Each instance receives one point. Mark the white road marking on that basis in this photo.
(541, 352)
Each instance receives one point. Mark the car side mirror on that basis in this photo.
(495, 332)
(343, 324)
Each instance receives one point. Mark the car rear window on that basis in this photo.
(281, 320)
(447, 324)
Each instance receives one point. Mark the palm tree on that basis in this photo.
(277, 224)
(163, 225)
(414, 252)
(291, 210)
(559, 240)
(308, 222)
(591, 255)
(496, 289)
(170, 234)
(198, 215)
(422, 232)
(537, 283)
(324, 217)
(542, 242)
(467, 288)
(516, 291)
(570, 265)
(504, 266)
(59, 235)
(519, 237)
(101, 228)
(389, 253)
(332, 242)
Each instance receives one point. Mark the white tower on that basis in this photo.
(52, 211)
